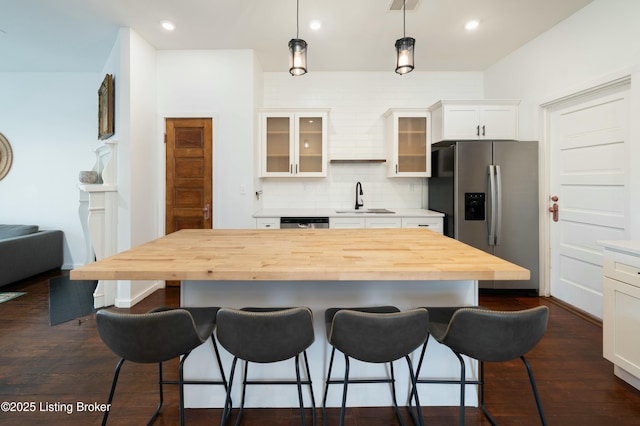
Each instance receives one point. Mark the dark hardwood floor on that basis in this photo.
(58, 366)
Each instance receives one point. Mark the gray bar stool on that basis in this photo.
(377, 338)
(328, 319)
(487, 336)
(266, 335)
(155, 337)
(204, 319)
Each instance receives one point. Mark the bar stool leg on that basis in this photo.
(313, 399)
(414, 393)
(161, 391)
(535, 390)
(244, 391)
(419, 419)
(463, 376)
(299, 386)
(393, 395)
(326, 388)
(344, 391)
(226, 412)
(217, 352)
(116, 373)
(181, 384)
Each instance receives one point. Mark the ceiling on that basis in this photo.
(356, 35)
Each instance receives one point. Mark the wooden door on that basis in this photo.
(589, 185)
(188, 174)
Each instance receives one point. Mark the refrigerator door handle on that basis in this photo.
(498, 229)
(492, 192)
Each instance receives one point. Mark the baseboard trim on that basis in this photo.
(576, 311)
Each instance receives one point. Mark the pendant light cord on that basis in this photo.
(404, 19)
(298, 17)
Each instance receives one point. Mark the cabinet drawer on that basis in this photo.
(268, 223)
(432, 223)
(622, 267)
(383, 222)
(346, 222)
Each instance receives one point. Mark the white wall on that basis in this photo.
(50, 120)
(218, 84)
(357, 102)
(139, 145)
(597, 43)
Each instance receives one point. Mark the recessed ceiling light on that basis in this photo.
(471, 25)
(315, 24)
(168, 25)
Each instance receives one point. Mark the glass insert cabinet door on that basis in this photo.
(310, 145)
(278, 144)
(294, 144)
(408, 134)
(412, 144)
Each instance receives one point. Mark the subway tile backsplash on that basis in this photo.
(357, 102)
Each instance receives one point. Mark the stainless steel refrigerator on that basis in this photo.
(488, 191)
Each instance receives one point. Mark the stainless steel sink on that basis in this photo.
(359, 211)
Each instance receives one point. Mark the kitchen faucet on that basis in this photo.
(361, 202)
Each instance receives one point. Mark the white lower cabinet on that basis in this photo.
(268, 223)
(364, 222)
(355, 222)
(432, 223)
(621, 314)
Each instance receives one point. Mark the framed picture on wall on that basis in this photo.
(106, 108)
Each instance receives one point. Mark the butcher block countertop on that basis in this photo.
(302, 255)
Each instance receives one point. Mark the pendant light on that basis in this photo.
(404, 47)
(297, 50)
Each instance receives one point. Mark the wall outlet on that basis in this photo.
(243, 189)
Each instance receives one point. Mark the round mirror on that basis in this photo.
(6, 156)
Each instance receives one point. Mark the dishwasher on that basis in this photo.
(304, 222)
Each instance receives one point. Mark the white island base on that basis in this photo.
(319, 295)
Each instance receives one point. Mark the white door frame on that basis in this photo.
(544, 110)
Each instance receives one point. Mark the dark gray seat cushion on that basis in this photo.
(151, 337)
(493, 336)
(331, 312)
(379, 337)
(265, 335)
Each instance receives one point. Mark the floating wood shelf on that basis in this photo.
(356, 160)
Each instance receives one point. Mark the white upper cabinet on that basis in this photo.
(471, 120)
(408, 142)
(293, 143)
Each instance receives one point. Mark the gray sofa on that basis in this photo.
(26, 251)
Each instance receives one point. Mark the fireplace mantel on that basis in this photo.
(98, 216)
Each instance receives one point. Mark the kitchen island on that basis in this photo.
(318, 268)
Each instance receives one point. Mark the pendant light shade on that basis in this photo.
(404, 47)
(297, 50)
(404, 54)
(297, 56)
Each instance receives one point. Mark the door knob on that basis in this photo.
(205, 210)
(554, 208)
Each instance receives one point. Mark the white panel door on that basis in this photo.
(589, 176)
